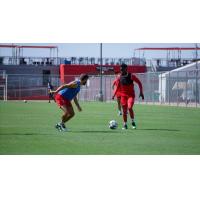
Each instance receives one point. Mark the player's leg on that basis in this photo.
(124, 108)
(130, 107)
(131, 112)
(61, 125)
(68, 110)
(68, 113)
(49, 98)
(119, 105)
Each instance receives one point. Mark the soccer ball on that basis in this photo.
(25, 101)
(113, 124)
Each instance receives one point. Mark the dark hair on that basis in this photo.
(84, 77)
(123, 66)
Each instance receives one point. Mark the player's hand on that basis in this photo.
(113, 97)
(52, 92)
(141, 95)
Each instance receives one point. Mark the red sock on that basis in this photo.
(125, 114)
(131, 113)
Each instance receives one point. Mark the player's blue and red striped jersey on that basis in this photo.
(70, 93)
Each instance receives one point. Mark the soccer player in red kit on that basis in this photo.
(125, 84)
(117, 94)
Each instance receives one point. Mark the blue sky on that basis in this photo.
(109, 49)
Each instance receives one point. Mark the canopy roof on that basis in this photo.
(170, 48)
(27, 46)
(7, 46)
(39, 47)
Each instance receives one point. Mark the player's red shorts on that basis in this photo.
(127, 101)
(61, 101)
(118, 95)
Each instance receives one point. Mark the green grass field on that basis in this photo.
(28, 128)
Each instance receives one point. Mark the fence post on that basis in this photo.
(169, 89)
(177, 78)
(186, 89)
(6, 88)
(105, 82)
(161, 88)
(196, 88)
(198, 84)
(101, 75)
(153, 87)
(110, 88)
(19, 88)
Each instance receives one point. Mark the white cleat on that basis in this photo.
(133, 125)
(125, 127)
(58, 127)
(61, 127)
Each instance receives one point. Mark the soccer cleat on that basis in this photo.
(125, 127)
(133, 125)
(58, 127)
(61, 127)
(119, 113)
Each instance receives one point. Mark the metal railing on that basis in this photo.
(38, 61)
(159, 63)
(156, 64)
(8, 60)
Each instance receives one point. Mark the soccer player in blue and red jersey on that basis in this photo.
(125, 86)
(63, 97)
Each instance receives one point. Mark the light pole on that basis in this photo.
(101, 78)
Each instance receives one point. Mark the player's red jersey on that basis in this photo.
(125, 85)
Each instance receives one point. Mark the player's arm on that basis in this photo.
(113, 85)
(69, 85)
(116, 89)
(77, 104)
(137, 80)
(115, 82)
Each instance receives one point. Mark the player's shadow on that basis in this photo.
(120, 131)
(157, 129)
(8, 134)
(90, 131)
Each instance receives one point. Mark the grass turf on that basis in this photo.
(28, 129)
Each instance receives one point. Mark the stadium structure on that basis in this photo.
(174, 79)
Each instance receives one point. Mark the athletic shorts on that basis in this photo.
(127, 101)
(118, 95)
(61, 101)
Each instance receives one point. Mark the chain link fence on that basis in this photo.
(181, 88)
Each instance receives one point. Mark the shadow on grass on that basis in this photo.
(8, 134)
(124, 131)
(90, 131)
(59, 133)
(157, 129)
(93, 131)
